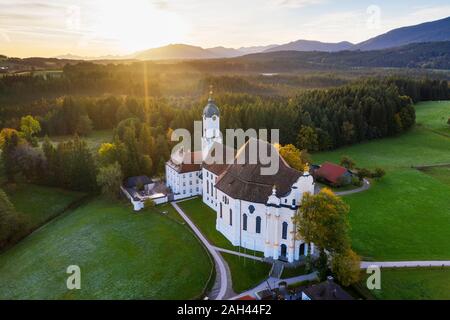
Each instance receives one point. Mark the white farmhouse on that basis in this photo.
(253, 211)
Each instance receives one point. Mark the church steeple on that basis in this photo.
(211, 125)
(211, 109)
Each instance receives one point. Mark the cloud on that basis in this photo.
(296, 3)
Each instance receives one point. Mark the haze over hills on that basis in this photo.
(425, 55)
(311, 45)
(426, 32)
(175, 52)
(179, 51)
(223, 52)
(438, 30)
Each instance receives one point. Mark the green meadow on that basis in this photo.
(414, 284)
(405, 215)
(121, 254)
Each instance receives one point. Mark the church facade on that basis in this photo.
(253, 211)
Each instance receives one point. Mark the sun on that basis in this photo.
(137, 24)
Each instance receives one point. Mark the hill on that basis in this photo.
(432, 55)
(175, 52)
(223, 52)
(310, 45)
(433, 31)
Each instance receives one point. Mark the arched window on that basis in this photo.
(221, 210)
(258, 224)
(244, 222)
(293, 202)
(285, 229)
(231, 217)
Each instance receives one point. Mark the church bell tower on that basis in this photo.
(211, 126)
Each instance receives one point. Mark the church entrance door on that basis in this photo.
(283, 252)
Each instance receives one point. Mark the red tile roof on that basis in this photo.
(191, 162)
(331, 172)
(246, 298)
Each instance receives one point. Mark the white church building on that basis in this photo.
(253, 210)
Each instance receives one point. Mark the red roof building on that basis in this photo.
(331, 173)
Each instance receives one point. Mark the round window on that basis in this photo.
(251, 208)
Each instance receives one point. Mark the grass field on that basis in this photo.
(94, 140)
(414, 283)
(246, 273)
(122, 255)
(205, 219)
(293, 272)
(434, 115)
(439, 173)
(406, 215)
(39, 203)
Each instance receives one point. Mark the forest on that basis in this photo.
(318, 112)
(141, 106)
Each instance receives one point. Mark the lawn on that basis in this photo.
(40, 204)
(293, 272)
(439, 173)
(205, 219)
(94, 140)
(414, 283)
(406, 215)
(246, 273)
(434, 115)
(122, 255)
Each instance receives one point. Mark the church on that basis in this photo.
(253, 211)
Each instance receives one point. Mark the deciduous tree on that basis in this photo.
(292, 156)
(346, 267)
(110, 178)
(347, 162)
(307, 139)
(323, 220)
(29, 127)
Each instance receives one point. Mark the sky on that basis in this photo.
(114, 27)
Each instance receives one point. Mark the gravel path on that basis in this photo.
(223, 277)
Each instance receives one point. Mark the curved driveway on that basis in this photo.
(364, 187)
(220, 265)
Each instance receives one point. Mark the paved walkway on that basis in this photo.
(405, 264)
(236, 253)
(223, 277)
(364, 187)
(273, 283)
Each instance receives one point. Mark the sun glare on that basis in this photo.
(137, 24)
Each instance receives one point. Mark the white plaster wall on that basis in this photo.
(210, 196)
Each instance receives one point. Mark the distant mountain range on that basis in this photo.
(424, 55)
(438, 30)
(179, 51)
(310, 45)
(426, 32)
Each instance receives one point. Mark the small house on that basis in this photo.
(333, 174)
(327, 290)
(141, 188)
